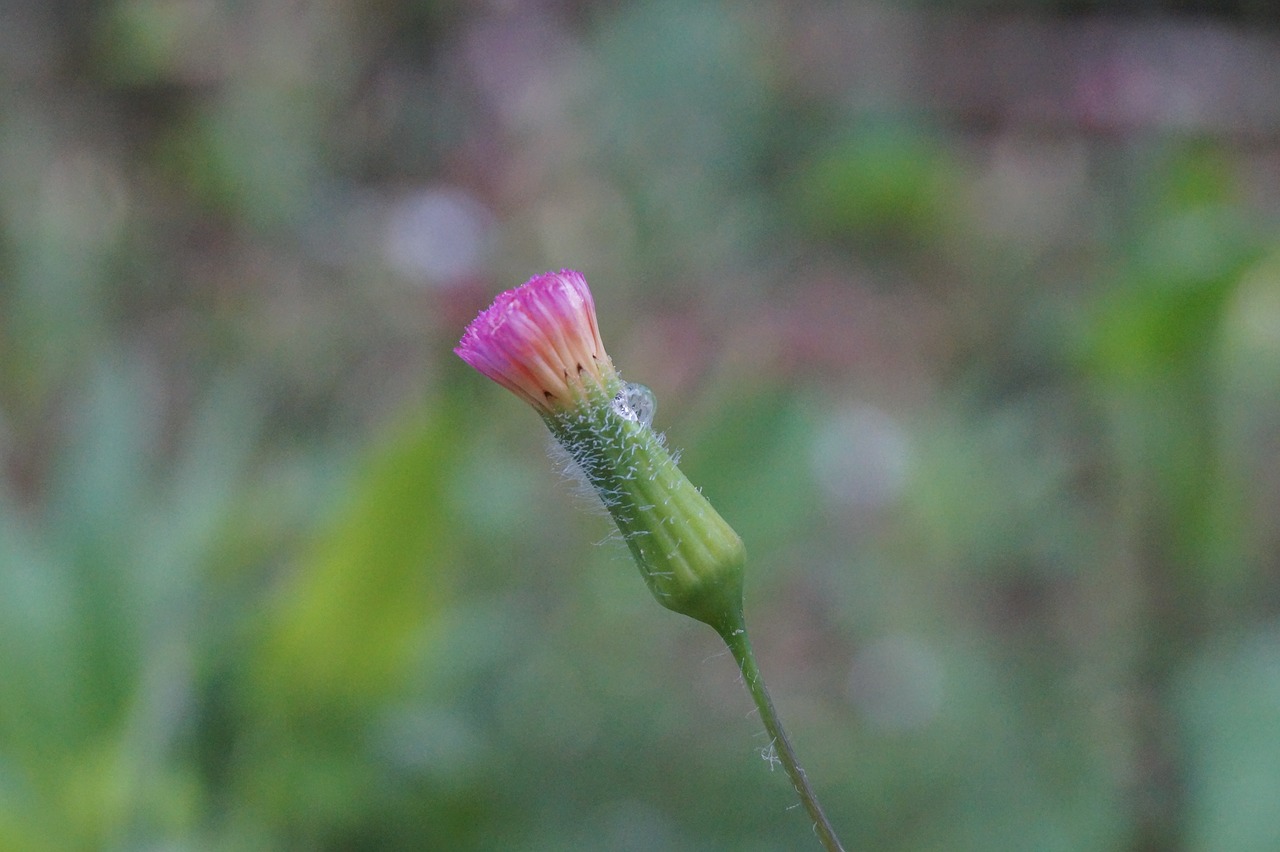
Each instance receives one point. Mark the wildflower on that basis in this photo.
(542, 342)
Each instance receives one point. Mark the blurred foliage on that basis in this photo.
(969, 323)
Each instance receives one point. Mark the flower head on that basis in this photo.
(541, 341)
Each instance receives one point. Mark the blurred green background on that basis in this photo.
(966, 316)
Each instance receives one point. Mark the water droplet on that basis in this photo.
(636, 403)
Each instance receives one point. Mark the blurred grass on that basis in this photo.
(983, 362)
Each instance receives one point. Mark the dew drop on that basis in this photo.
(636, 403)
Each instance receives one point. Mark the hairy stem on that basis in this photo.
(735, 636)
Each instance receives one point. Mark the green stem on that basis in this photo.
(735, 636)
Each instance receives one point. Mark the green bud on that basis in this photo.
(690, 558)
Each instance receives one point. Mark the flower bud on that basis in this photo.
(542, 342)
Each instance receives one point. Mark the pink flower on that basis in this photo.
(541, 341)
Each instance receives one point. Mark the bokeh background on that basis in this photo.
(966, 315)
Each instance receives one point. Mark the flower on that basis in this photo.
(542, 342)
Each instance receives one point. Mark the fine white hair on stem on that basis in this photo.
(635, 403)
(770, 755)
(573, 474)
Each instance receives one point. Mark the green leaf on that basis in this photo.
(350, 619)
